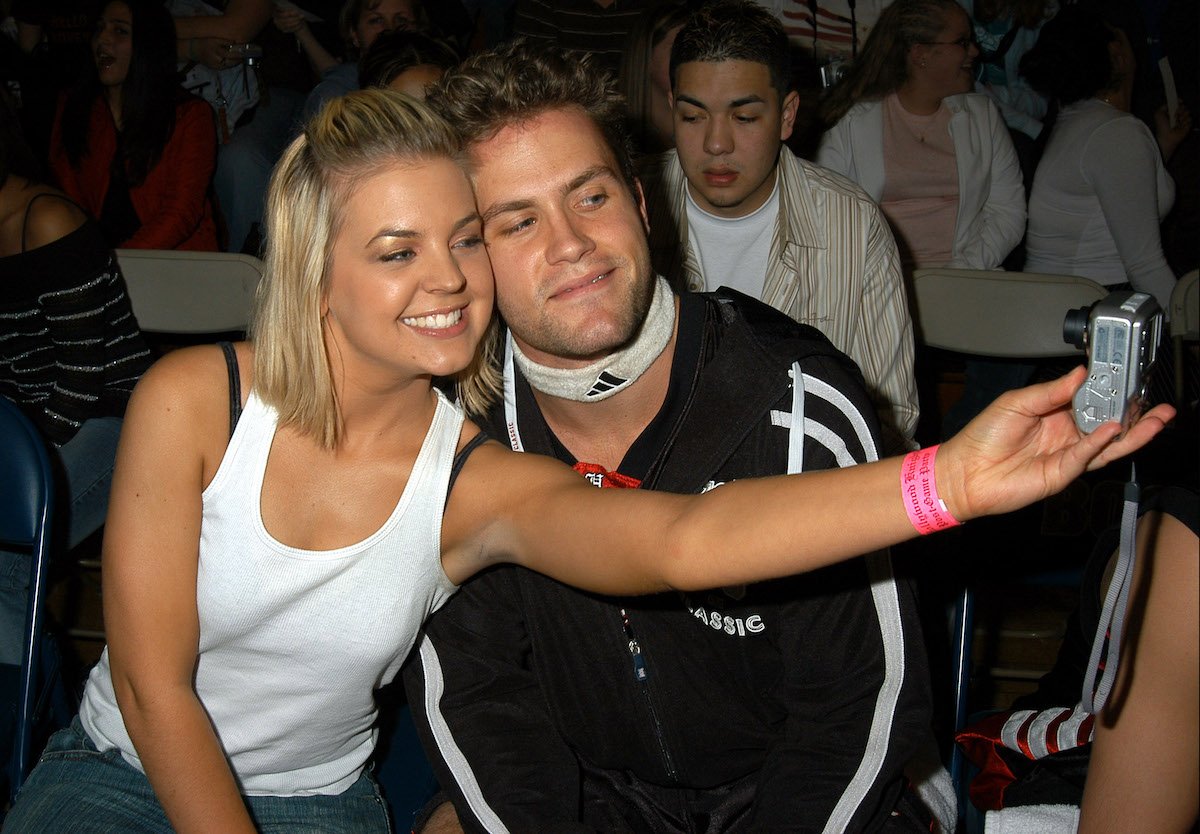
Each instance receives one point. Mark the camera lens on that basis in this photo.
(1075, 327)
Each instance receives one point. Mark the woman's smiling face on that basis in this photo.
(410, 284)
(946, 64)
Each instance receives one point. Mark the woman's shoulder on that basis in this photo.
(862, 108)
(1104, 117)
(861, 111)
(186, 392)
(194, 377)
(49, 217)
(83, 101)
(1097, 125)
(973, 103)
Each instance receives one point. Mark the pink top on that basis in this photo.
(920, 191)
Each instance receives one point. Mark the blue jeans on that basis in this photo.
(244, 164)
(84, 473)
(76, 790)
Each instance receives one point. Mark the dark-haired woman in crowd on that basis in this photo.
(1101, 188)
(129, 145)
(70, 350)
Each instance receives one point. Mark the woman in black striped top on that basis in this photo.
(70, 348)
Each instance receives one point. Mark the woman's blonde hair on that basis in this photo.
(353, 137)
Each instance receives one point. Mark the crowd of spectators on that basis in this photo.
(265, 67)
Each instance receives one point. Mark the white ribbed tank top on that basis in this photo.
(293, 642)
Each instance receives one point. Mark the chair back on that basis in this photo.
(26, 509)
(1016, 315)
(1185, 308)
(190, 292)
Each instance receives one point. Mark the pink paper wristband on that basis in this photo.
(918, 489)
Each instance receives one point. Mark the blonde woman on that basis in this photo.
(263, 578)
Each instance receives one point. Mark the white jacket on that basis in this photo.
(991, 197)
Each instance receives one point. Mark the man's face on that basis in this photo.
(566, 238)
(729, 124)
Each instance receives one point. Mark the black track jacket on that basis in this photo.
(789, 705)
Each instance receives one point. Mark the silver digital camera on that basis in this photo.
(1120, 334)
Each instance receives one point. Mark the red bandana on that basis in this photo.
(601, 477)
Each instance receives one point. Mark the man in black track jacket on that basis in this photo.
(790, 705)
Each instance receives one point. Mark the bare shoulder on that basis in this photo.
(184, 399)
(186, 373)
(51, 217)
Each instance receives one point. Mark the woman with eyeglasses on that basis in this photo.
(937, 158)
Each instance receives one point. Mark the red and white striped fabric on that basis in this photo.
(1038, 733)
(1033, 734)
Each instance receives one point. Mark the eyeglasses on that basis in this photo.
(964, 43)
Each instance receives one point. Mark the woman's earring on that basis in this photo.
(924, 63)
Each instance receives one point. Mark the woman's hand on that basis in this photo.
(289, 20)
(1025, 446)
(1169, 136)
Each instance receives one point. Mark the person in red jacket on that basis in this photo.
(129, 145)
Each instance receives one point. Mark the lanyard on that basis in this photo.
(1116, 603)
(510, 397)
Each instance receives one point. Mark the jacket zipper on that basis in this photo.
(641, 674)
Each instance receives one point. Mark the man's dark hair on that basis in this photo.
(518, 81)
(735, 30)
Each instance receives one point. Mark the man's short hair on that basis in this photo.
(735, 30)
(518, 81)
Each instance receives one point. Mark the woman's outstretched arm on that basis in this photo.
(1022, 448)
(151, 551)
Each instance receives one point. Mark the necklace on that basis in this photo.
(918, 125)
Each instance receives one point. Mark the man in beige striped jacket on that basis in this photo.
(732, 206)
